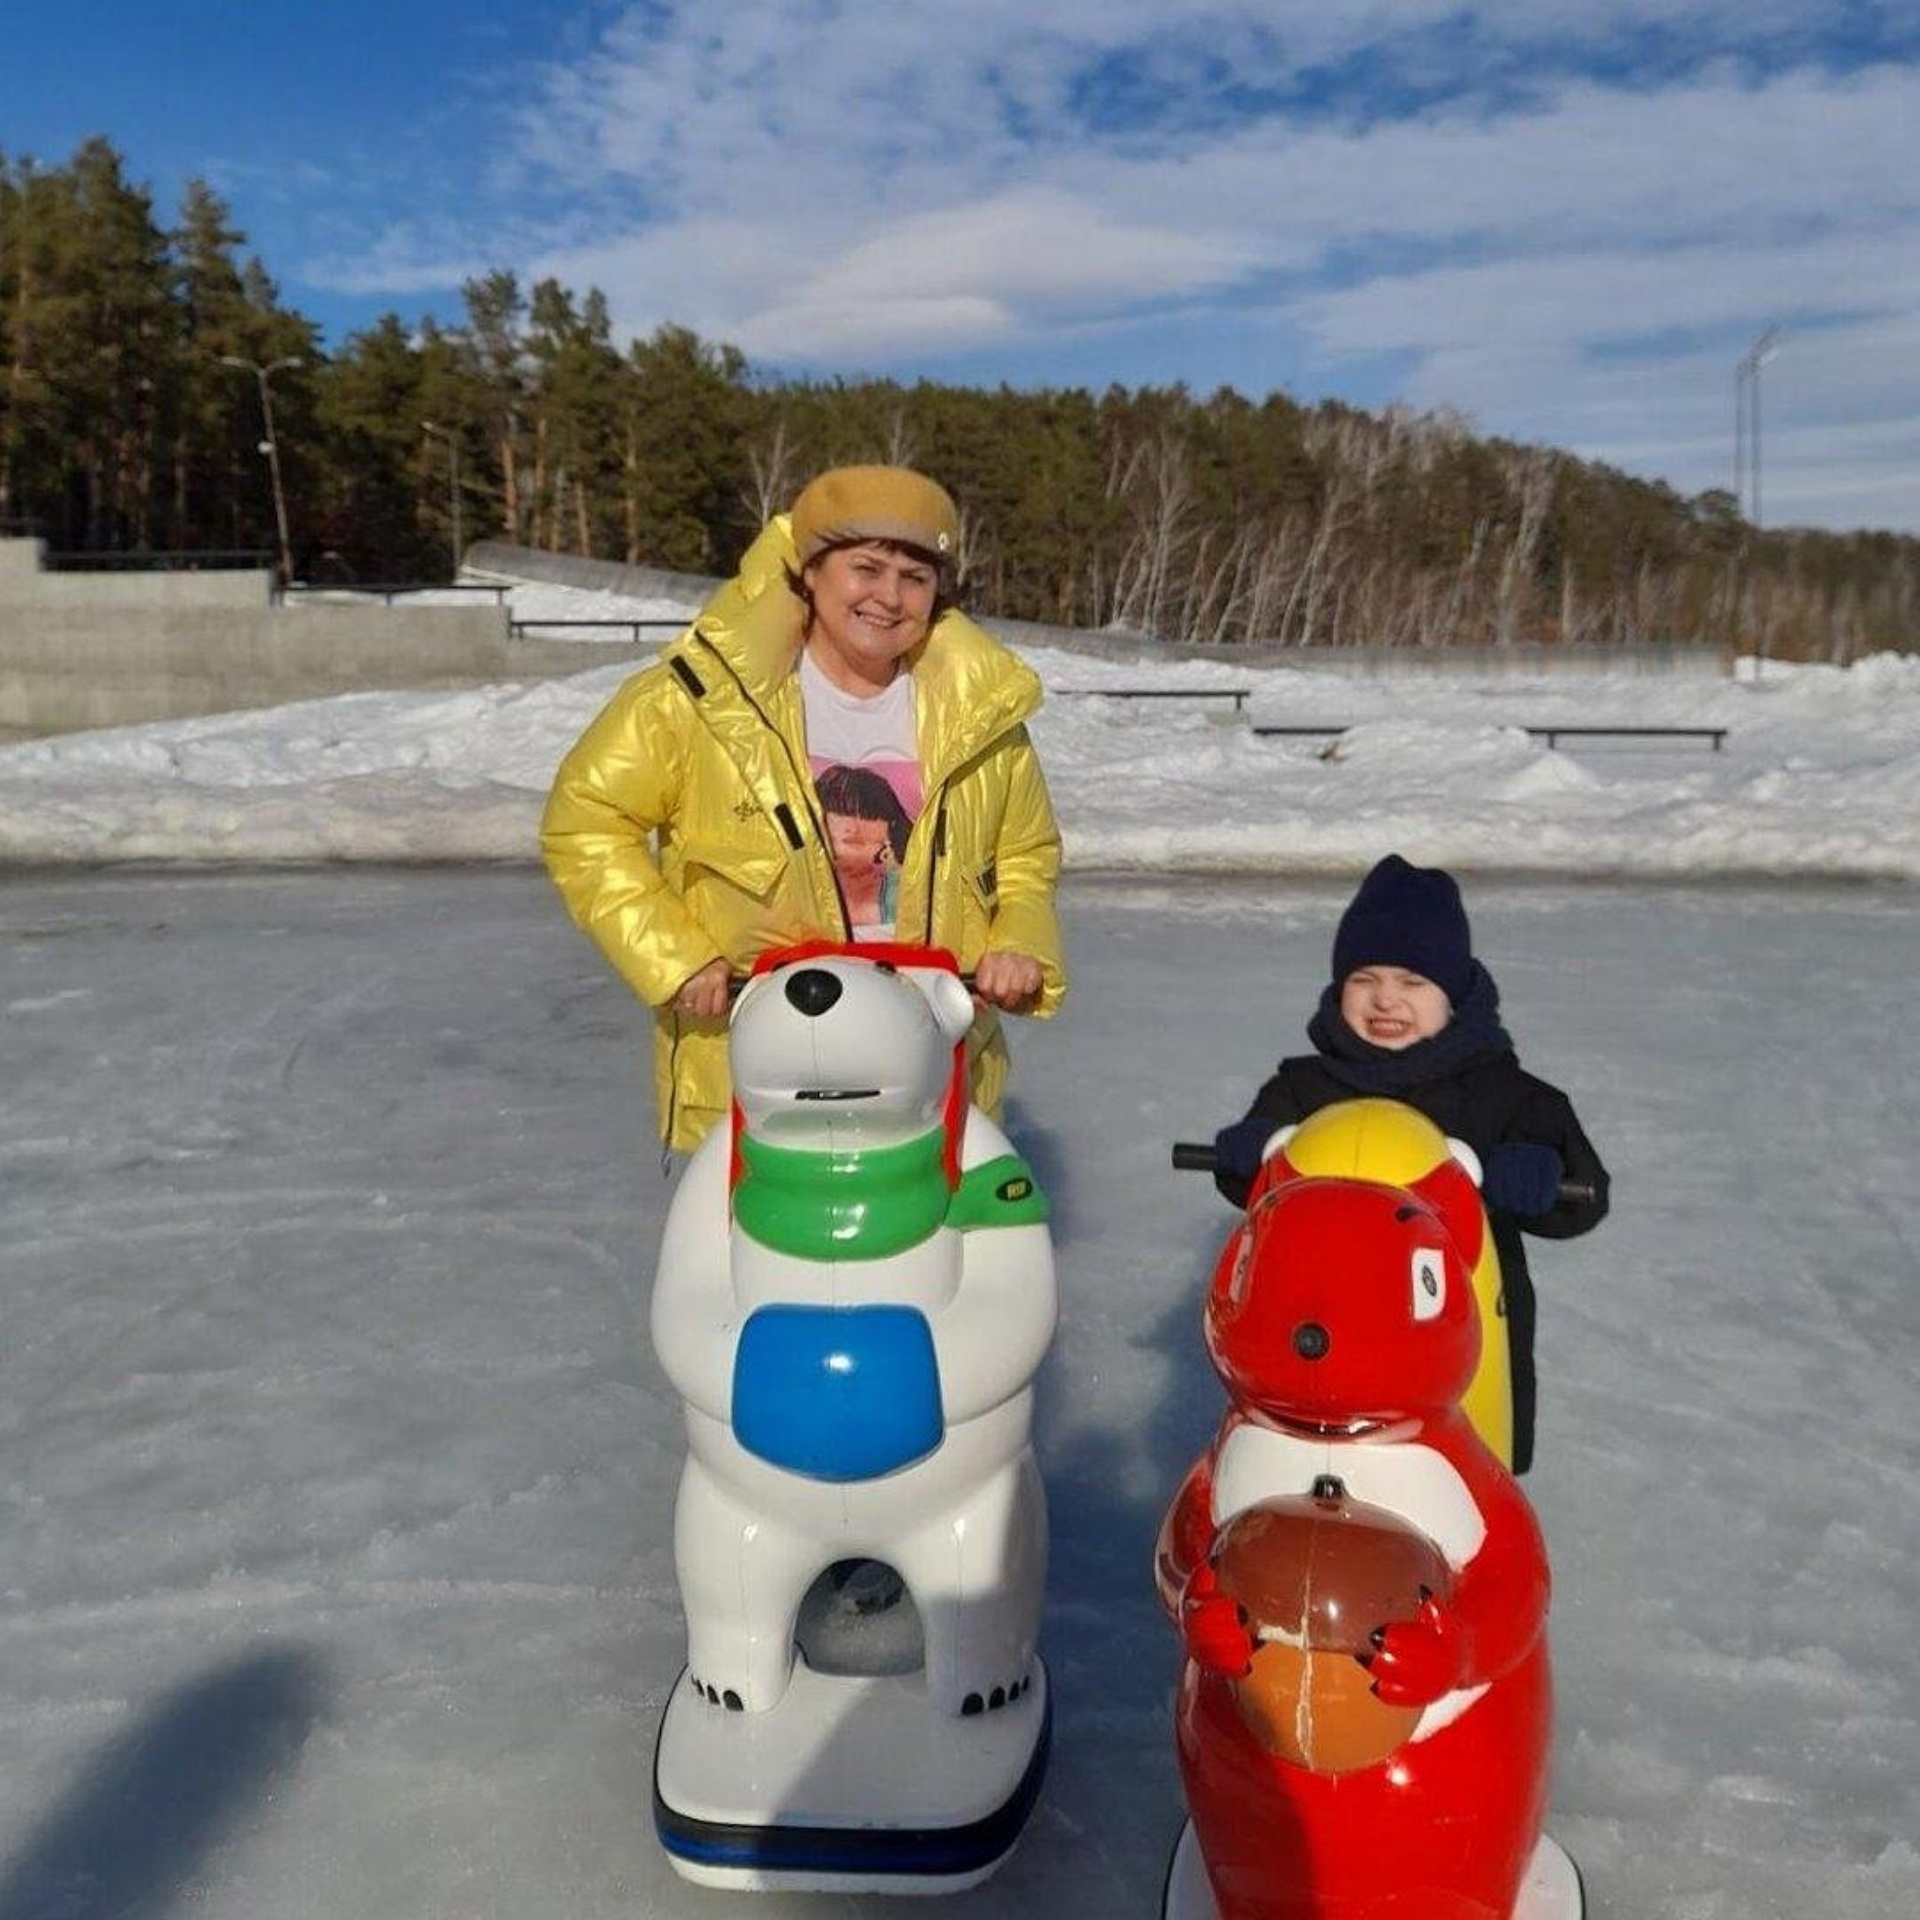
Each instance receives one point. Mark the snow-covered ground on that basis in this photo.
(336, 1471)
(335, 1575)
(1820, 774)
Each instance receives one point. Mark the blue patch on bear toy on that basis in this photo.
(837, 1393)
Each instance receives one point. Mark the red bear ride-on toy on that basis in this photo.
(1364, 1712)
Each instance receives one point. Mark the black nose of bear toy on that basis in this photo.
(1311, 1341)
(813, 991)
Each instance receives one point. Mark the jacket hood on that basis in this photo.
(972, 688)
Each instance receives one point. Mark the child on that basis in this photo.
(1412, 1016)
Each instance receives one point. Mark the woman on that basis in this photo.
(685, 829)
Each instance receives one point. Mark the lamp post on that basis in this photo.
(1747, 381)
(453, 483)
(1746, 439)
(270, 446)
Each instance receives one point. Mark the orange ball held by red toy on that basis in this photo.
(1315, 1576)
(1364, 1713)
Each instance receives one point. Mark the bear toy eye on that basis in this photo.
(1429, 1281)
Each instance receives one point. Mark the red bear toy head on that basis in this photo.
(1343, 1303)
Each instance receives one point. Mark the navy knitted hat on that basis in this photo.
(1406, 916)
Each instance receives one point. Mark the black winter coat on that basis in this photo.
(1469, 1083)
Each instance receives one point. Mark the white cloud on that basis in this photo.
(1592, 299)
(827, 328)
(855, 185)
(1686, 159)
(406, 258)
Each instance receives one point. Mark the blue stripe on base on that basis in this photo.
(907, 1851)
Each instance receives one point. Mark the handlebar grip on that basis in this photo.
(737, 983)
(1198, 1156)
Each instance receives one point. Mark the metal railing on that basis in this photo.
(158, 560)
(537, 629)
(1551, 735)
(1238, 695)
(388, 591)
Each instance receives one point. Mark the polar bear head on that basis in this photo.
(848, 1047)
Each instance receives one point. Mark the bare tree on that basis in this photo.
(1299, 621)
(1156, 483)
(900, 449)
(1530, 476)
(976, 568)
(773, 475)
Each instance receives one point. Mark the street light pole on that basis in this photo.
(1746, 388)
(1740, 435)
(453, 484)
(270, 446)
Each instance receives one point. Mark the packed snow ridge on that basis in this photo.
(1819, 774)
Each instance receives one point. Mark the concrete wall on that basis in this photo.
(115, 649)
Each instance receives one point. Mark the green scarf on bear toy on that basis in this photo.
(865, 1203)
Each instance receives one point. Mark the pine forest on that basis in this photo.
(148, 371)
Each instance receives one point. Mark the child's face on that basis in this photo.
(1390, 1007)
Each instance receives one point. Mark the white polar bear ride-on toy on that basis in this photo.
(854, 1293)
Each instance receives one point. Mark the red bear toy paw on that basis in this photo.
(1213, 1626)
(1416, 1661)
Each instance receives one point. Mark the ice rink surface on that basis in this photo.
(336, 1472)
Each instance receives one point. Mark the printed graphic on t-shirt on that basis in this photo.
(869, 813)
(867, 772)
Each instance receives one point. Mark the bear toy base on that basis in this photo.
(1550, 1891)
(852, 1784)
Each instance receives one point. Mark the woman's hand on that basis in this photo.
(1010, 981)
(703, 996)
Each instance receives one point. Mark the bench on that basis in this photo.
(1551, 735)
(1238, 695)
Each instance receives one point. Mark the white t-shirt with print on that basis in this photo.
(865, 760)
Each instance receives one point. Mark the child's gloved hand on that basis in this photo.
(1522, 1178)
(1238, 1147)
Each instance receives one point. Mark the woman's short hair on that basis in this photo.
(858, 793)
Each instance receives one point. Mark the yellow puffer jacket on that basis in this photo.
(706, 750)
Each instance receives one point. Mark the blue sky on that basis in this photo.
(1564, 219)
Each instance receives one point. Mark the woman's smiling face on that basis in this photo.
(872, 603)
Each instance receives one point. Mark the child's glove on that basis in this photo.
(1521, 1178)
(1238, 1147)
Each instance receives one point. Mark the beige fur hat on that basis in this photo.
(847, 504)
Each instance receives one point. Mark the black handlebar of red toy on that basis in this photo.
(1199, 1156)
(737, 983)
